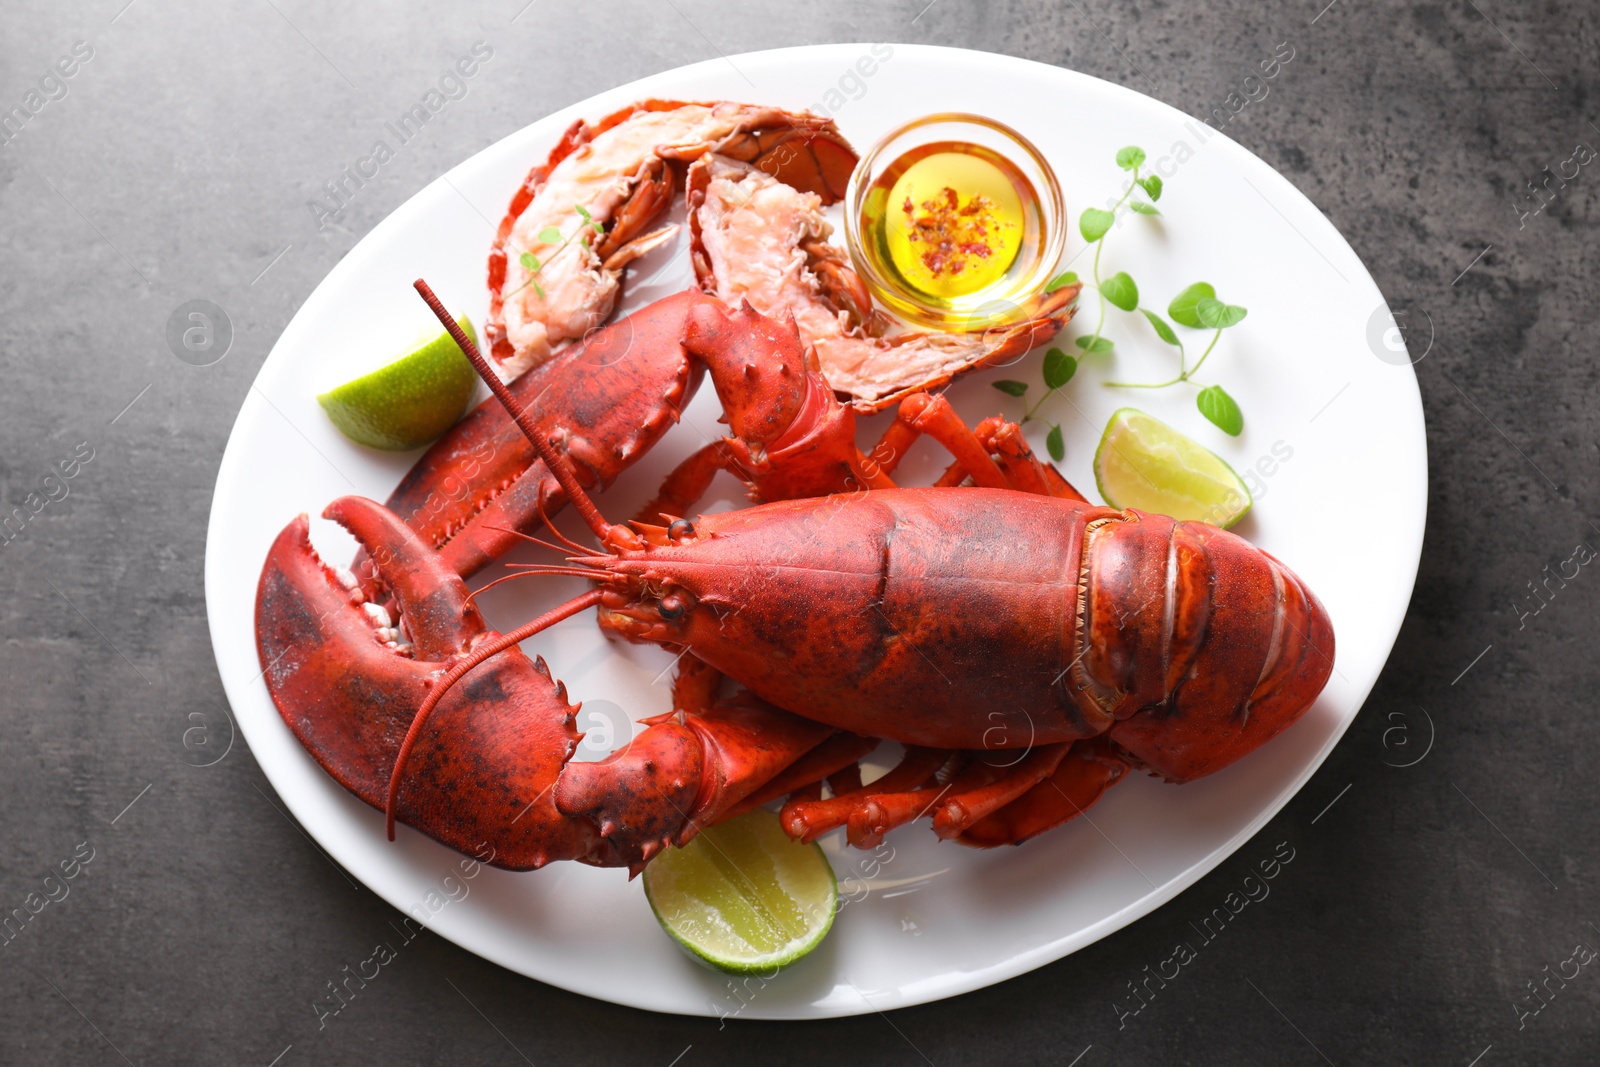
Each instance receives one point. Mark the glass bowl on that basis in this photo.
(1044, 219)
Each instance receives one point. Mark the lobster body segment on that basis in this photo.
(980, 618)
(901, 613)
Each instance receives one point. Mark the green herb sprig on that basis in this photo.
(550, 235)
(1196, 307)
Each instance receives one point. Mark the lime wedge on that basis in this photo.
(1144, 463)
(742, 896)
(409, 402)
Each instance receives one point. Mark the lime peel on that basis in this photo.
(410, 401)
(742, 896)
(1143, 463)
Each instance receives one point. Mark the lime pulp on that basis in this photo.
(742, 896)
(1144, 463)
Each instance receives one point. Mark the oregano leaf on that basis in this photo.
(529, 261)
(1182, 309)
(1057, 447)
(1121, 291)
(1061, 281)
(1058, 368)
(1009, 387)
(1143, 208)
(1095, 345)
(1130, 157)
(1151, 183)
(549, 235)
(1094, 223)
(1216, 315)
(1163, 331)
(1220, 409)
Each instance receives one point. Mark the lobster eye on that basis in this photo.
(672, 607)
(680, 529)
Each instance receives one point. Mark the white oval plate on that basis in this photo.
(1339, 429)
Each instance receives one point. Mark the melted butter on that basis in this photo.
(953, 225)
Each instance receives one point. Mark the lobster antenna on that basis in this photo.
(545, 519)
(484, 651)
(538, 572)
(535, 540)
(558, 464)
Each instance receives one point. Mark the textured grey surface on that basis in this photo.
(177, 166)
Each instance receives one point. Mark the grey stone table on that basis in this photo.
(168, 154)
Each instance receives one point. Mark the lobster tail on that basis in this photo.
(1235, 650)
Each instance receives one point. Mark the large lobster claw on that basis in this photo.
(488, 770)
(348, 684)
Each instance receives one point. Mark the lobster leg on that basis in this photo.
(933, 415)
(871, 821)
(907, 793)
(687, 483)
(809, 819)
(995, 455)
(969, 804)
(1080, 779)
(694, 687)
(1024, 470)
(834, 756)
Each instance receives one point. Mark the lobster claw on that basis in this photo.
(348, 682)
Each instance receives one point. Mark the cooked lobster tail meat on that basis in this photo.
(756, 238)
(585, 212)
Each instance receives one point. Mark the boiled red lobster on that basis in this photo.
(1027, 648)
(966, 622)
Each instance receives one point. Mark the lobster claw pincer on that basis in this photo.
(483, 774)
(488, 769)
